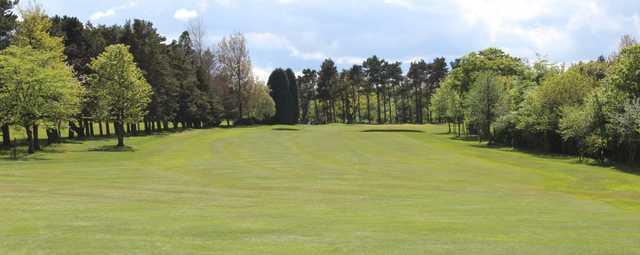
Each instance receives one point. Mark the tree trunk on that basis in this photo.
(80, 128)
(333, 111)
(120, 133)
(100, 128)
(378, 106)
(31, 149)
(384, 106)
(71, 134)
(315, 103)
(36, 138)
(108, 129)
(6, 136)
(87, 128)
(368, 108)
(415, 92)
(359, 114)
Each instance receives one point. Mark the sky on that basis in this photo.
(300, 34)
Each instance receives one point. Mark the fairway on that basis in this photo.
(332, 189)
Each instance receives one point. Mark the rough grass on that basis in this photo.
(318, 190)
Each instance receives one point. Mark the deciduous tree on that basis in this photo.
(121, 87)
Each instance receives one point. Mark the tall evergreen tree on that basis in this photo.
(184, 69)
(151, 55)
(293, 90)
(279, 90)
(418, 74)
(437, 71)
(327, 80)
(307, 86)
(373, 68)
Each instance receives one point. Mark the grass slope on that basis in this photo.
(316, 190)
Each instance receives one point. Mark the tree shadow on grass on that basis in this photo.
(625, 168)
(285, 129)
(112, 148)
(391, 131)
(20, 154)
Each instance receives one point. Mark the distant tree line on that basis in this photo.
(58, 72)
(375, 92)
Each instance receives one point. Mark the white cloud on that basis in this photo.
(408, 4)
(112, 11)
(500, 17)
(262, 74)
(274, 41)
(287, 1)
(184, 14)
(102, 14)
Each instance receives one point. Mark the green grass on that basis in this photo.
(312, 190)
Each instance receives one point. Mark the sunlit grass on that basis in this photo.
(312, 190)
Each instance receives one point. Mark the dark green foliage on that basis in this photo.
(373, 69)
(293, 89)
(327, 82)
(184, 69)
(281, 93)
(7, 21)
(150, 52)
(307, 91)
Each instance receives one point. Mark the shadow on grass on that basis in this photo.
(112, 148)
(285, 129)
(625, 168)
(391, 131)
(20, 154)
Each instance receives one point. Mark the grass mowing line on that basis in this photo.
(320, 190)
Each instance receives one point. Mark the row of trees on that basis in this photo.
(376, 91)
(58, 72)
(588, 109)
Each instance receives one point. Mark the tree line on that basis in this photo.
(588, 109)
(58, 72)
(375, 92)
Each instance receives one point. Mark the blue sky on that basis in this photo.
(301, 33)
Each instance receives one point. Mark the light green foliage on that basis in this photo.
(576, 124)
(491, 60)
(439, 104)
(37, 87)
(541, 109)
(483, 102)
(320, 190)
(627, 121)
(625, 74)
(33, 32)
(119, 85)
(585, 125)
(449, 102)
(260, 104)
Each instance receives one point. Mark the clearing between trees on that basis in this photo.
(333, 189)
